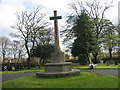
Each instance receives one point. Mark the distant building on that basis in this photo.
(70, 57)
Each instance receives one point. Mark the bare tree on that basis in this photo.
(17, 49)
(45, 36)
(27, 24)
(109, 38)
(4, 44)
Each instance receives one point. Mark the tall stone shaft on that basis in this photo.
(56, 32)
(58, 55)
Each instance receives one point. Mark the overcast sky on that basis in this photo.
(9, 7)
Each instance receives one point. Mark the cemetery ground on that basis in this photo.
(84, 80)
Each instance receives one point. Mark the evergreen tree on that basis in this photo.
(85, 42)
(43, 52)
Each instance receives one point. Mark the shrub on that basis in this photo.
(83, 59)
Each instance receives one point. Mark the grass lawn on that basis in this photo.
(99, 66)
(25, 70)
(84, 80)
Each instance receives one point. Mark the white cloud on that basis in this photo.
(112, 13)
(9, 7)
(7, 16)
(52, 4)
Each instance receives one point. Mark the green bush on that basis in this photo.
(83, 59)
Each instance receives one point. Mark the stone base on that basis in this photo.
(57, 57)
(58, 67)
(58, 74)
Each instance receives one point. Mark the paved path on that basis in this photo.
(17, 75)
(113, 72)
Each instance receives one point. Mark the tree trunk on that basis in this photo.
(95, 57)
(28, 62)
(110, 54)
(39, 63)
(3, 57)
(28, 52)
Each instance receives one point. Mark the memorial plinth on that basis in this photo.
(57, 57)
(58, 67)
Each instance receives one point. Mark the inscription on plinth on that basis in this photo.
(57, 57)
(58, 67)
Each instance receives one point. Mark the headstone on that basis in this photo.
(57, 67)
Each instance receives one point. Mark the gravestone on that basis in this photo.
(58, 67)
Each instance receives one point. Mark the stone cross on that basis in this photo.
(55, 18)
(58, 67)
